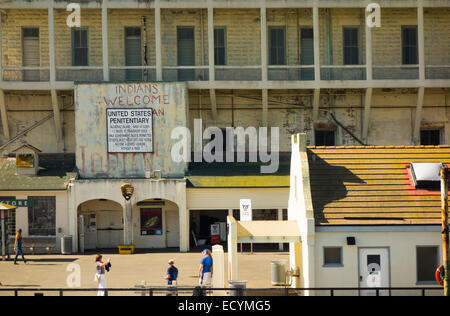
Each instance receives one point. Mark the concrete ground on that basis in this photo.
(50, 271)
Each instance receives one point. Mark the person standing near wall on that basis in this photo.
(205, 271)
(18, 247)
(100, 274)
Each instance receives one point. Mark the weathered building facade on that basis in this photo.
(310, 66)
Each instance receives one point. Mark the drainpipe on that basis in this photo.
(144, 22)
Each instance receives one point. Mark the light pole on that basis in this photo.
(444, 198)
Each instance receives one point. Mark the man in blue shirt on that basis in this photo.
(172, 273)
(206, 269)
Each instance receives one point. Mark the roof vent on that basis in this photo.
(426, 175)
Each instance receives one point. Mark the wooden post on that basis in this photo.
(444, 196)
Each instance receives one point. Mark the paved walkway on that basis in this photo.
(50, 271)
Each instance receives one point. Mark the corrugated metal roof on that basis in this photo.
(372, 185)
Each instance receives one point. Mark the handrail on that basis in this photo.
(152, 290)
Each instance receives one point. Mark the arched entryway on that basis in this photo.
(156, 224)
(100, 224)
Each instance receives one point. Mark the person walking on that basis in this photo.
(205, 271)
(100, 274)
(18, 247)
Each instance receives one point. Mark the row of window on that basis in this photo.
(41, 216)
(277, 45)
(427, 137)
(427, 260)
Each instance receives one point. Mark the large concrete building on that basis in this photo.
(312, 66)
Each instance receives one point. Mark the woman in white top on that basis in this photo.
(100, 273)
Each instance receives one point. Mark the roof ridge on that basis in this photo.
(381, 147)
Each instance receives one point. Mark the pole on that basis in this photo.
(2, 214)
(444, 198)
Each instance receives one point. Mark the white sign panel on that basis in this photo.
(246, 210)
(130, 130)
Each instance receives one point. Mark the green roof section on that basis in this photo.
(54, 173)
(238, 175)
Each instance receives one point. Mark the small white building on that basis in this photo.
(363, 220)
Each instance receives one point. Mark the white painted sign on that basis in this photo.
(130, 130)
(246, 210)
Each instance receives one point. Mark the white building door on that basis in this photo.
(172, 229)
(374, 270)
(90, 231)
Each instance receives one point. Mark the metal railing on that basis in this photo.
(249, 292)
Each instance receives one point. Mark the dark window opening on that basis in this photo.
(325, 138)
(430, 137)
(277, 46)
(409, 45)
(332, 256)
(220, 46)
(427, 262)
(351, 46)
(80, 50)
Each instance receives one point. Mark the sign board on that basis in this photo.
(246, 214)
(130, 130)
(124, 130)
(215, 234)
(18, 203)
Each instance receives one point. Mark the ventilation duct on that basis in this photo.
(426, 175)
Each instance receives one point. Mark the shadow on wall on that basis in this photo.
(328, 184)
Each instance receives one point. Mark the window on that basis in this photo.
(409, 45)
(277, 46)
(427, 262)
(186, 52)
(133, 53)
(80, 51)
(430, 137)
(42, 216)
(220, 52)
(307, 52)
(351, 45)
(11, 221)
(31, 53)
(332, 256)
(151, 221)
(325, 138)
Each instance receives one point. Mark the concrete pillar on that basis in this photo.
(421, 40)
(264, 60)
(4, 115)
(51, 44)
(232, 249)
(184, 229)
(280, 218)
(127, 224)
(105, 40)
(158, 45)
(212, 75)
(218, 280)
(418, 119)
(316, 42)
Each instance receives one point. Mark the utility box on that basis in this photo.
(66, 245)
(278, 272)
(237, 288)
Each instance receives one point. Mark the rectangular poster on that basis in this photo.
(130, 130)
(151, 221)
